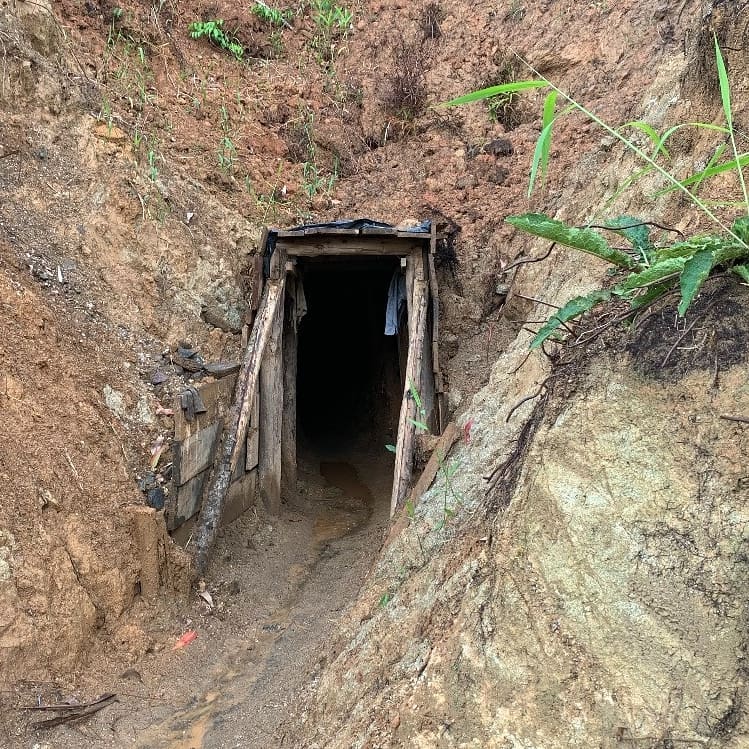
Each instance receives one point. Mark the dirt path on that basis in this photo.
(278, 586)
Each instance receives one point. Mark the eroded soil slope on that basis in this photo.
(137, 168)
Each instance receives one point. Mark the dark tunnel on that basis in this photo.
(348, 379)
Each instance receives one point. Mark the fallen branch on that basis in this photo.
(740, 419)
(72, 713)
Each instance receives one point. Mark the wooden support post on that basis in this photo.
(288, 424)
(441, 410)
(417, 316)
(236, 423)
(271, 403)
(149, 534)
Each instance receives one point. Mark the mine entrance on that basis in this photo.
(349, 382)
(318, 367)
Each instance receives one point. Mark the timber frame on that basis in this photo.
(416, 248)
(262, 419)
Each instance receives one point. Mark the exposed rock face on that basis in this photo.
(605, 604)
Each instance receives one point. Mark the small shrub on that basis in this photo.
(405, 96)
(270, 15)
(214, 32)
(332, 22)
(432, 16)
(654, 270)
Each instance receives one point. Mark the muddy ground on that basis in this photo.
(263, 625)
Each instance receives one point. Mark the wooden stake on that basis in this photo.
(416, 328)
(288, 424)
(236, 424)
(271, 416)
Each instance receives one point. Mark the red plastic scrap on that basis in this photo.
(467, 431)
(186, 639)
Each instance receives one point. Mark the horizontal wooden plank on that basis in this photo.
(189, 499)
(422, 235)
(361, 245)
(379, 230)
(240, 498)
(195, 454)
(217, 397)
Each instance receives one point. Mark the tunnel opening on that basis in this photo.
(349, 384)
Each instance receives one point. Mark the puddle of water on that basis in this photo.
(348, 511)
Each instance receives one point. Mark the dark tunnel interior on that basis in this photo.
(348, 380)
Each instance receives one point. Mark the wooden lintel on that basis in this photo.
(358, 245)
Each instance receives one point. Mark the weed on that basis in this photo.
(275, 39)
(432, 16)
(214, 32)
(405, 96)
(105, 113)
(329, 15)
(653, 270)
(153, 171)
(270, 15)
(504, 107)
(315, 182)
(333, 23)
(227, 151)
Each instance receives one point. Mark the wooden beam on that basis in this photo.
(237, 421)
(342, 245)
(271, 417)
(444, 445)
(288, 423)
(405, 444)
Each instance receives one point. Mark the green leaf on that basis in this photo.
(688, 247)
(725, 95)
(635, 231)
(650, 131)
(729, 251)
(586, 240)
(486, 93)
(410, 509)
(725, 88)
(415, 395)
(419, 425)
(696, 270)
(742, 271)
(543, 144)
(740, 228)
(655, 272)
(574, 308)
(391, 448)
(710, 171)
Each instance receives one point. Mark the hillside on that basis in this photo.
(590, 593)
